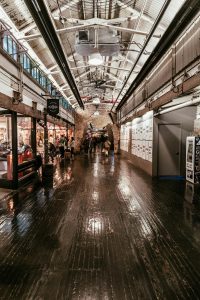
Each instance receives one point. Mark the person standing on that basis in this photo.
(72, 146)
(62, 146)
(107, 144)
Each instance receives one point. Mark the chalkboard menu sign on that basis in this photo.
(53, 106)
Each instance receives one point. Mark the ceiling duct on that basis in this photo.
(105, 41)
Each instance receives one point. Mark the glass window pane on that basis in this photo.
(22, 60)
(14, 55)
(34, 73)
(27, 63)
(10, 45)
(49, 86)
(5, 43)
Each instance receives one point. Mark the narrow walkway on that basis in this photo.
(105, 231)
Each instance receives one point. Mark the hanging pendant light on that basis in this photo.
(95, 59)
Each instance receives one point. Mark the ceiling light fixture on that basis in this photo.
(96, 100)
(95, 59)
(96, 113)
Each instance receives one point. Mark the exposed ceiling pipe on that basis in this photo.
(178, 106)
(42, 19)
(184, 16)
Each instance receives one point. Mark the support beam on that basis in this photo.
(136, 14)
(80, 27)
(131, 30)
(63, 7)
(101, 66)
(53, 67)
(7, 103)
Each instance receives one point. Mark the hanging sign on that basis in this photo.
(53, 106)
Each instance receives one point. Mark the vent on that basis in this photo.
(83, 36)
(106, 42)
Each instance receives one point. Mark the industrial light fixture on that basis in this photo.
(96, 113)
(96, 100)
(95, 59)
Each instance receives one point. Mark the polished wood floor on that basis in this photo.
(104, 231)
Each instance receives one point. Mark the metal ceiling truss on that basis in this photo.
(177, 26)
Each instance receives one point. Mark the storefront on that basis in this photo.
(21, 141)
(17, 148)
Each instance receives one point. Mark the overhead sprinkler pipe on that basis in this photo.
(178, 106)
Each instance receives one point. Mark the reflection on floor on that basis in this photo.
(104, 231)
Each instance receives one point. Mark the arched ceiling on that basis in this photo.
(123, 32)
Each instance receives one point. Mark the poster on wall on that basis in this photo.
(146, 150)
(141, 136)
(190, 153)
(193, 159)
(150, 151)
(143, 149)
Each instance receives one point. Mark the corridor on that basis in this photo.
(105, 231)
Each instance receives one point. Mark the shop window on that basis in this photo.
(24, 138)
(24, 129)
(40, 138)
(5, 147)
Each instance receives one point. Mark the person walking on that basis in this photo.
(52, 151)
(107, 144)
(72, 146)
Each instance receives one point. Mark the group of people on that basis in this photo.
(92, 144)
(62, 145)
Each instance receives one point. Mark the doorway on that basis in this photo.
(169, 149)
